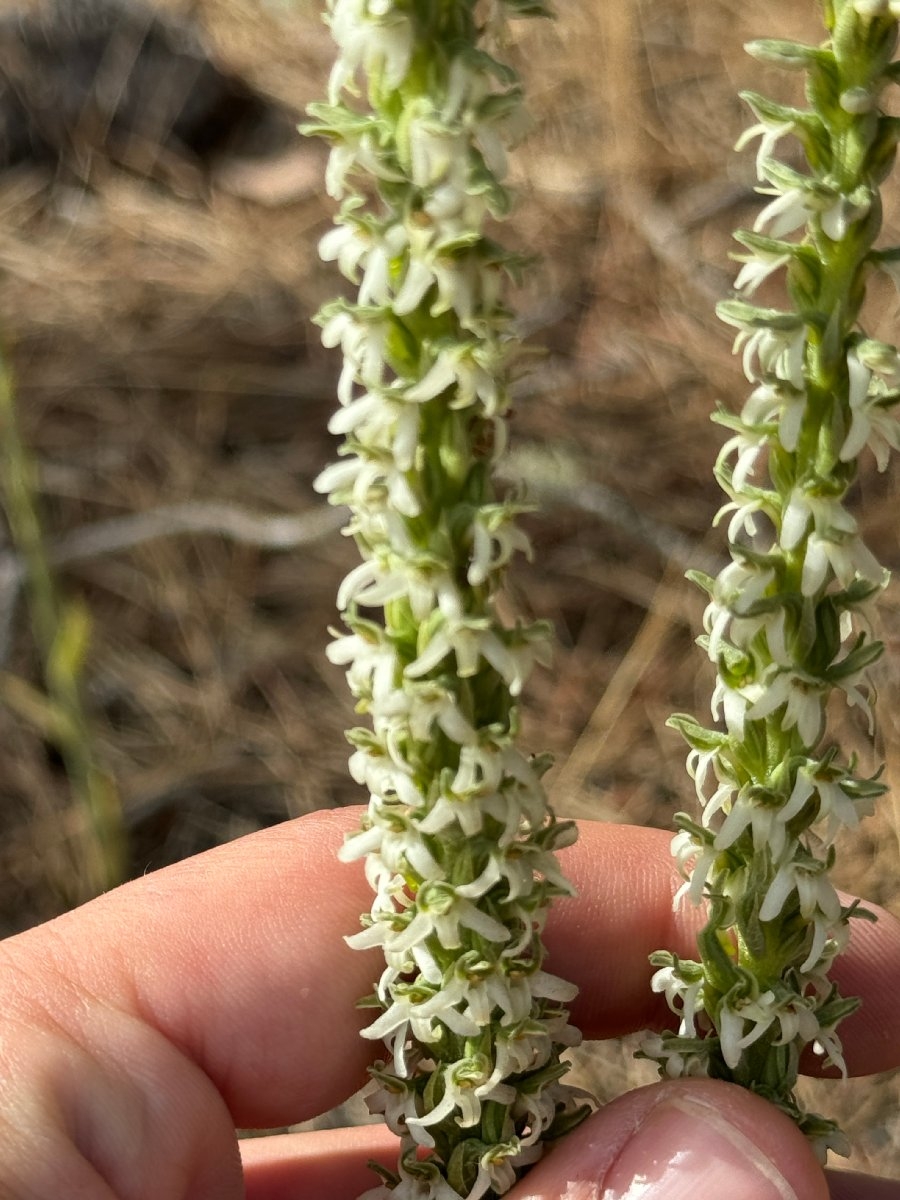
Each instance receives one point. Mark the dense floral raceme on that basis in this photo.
(786, 624)
(458, 841)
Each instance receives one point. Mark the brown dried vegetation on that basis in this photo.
(155, 293)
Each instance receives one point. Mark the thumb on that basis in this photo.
(680, 1139)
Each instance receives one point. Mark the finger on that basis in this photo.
(307, 1166)
(237, 959)
(848, 1185)
(684, 1138)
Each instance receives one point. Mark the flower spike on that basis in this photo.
(786, 624)
(458, 840)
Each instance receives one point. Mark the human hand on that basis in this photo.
(137, 1032)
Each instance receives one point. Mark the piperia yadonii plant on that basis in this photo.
(458, 841)
(786, 623)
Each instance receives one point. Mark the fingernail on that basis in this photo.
(685, 1148)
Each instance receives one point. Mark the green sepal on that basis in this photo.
(721, 970)
(703, 837)
(768, 245)
(826, 640)
(735, 422)
(861, 656)
(746, 911)
(836, 1008)
(864, 41)
(774, 113)
(688, 969)
(751, 316)
(528, 8)
(780, 52)
(823, 88)
(697, 736)
(759, 558)
(864, 789)
(855, 912)
(462, 1168)
(566, 1120)
(370, 1001)
(391, 1178)
(883, 151)
(700, 579)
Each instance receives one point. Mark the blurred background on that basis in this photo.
(159, 217)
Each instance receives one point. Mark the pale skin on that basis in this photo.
(137, 1032)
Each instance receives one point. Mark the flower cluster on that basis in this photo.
(786, 622)
(458, 841)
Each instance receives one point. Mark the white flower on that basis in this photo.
(377, 37)
(757, 268)
(495, 539)
(497, 1167)
(803, 698)
(870, 423)
(737, 588)
(370, 480)
(770, 133)
(467, 1083)
(442, 912)
(363, 344)
(694, 861)
(833, 541)
(395, 840)
(793, 207)
(828, 1046)
(471, 639)
(765, 820)
(777, 400)
(683, 998)
(468, 369)
(675, 1060)
(818, 901)
(846, 555)
(760, 1013)
(526, 1046)
(419, 1180)
(355, 246)
(381, 420)
(776, 352)
(372, 661)
(743, 522)
(733, 703)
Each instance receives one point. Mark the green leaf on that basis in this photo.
(65, 660)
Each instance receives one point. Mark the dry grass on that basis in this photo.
(159, 332)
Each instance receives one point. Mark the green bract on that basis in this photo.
(458, 841)
(786, 621)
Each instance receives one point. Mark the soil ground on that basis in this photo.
(158, 270)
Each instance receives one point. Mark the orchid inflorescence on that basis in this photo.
(458, 840)
(787, 621)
